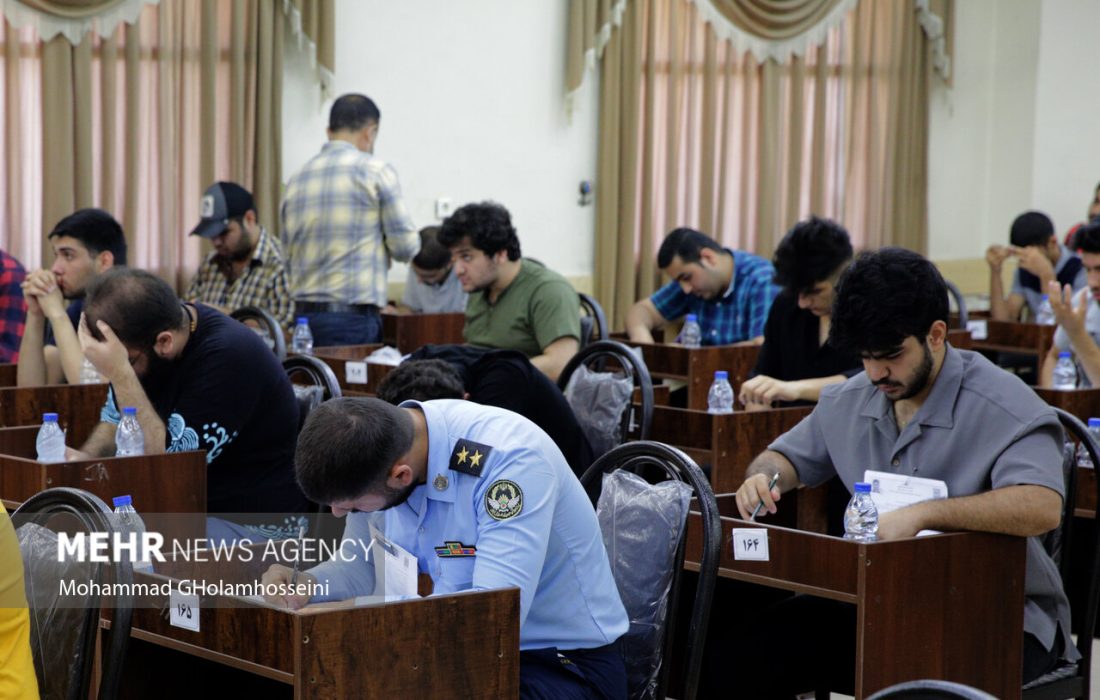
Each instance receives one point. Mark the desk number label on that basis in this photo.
(979, 329)
(185, 611)
(355, 372)
(750, 544)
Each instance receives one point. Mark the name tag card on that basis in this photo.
(355, 372)
(185, 610)
(396, 567)
(750, 544)
(979, 328)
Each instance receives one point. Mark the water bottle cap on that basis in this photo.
(1046, 297)
(129, 411)
(303, 321)
(691, 318)
(121, 501)
(49, 417)
(721, 374)
(1065, 354)
(863, 487)
(1094, 422)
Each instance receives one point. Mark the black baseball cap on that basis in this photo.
(221, 202)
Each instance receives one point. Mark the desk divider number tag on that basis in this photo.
(185, 610)
(979, 329)
(750, 544)
(355, 372)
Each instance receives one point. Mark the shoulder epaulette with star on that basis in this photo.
(469, 457)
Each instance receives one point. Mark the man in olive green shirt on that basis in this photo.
(522, 305)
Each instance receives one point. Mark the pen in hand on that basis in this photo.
(298, 559)
(771, 485)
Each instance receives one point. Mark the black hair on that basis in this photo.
(347, 447)
(433, 255)
(421, 380)
(1031, 228)
(352, 112)
(810, 253)
(884, 297)
(488, 226)
(96, 230)
(685, 243)
(1087, 237)
(136, 304)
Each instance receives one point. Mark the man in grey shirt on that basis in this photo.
(1078, 315)
(1042, 260)
(432, 287)
(923, 408)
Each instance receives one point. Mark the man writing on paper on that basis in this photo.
(920, 408)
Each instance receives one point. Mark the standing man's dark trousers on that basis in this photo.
(341, 324)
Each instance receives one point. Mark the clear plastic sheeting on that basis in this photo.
(56, 629)
(309, 397)
(642, 524)
(599, 400)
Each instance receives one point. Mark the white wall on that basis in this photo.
(471, 95)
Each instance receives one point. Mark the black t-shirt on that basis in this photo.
(507, 379)
(228, 394)
(791, 350)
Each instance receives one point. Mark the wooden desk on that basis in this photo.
(1084, 404)
(77, 407)
(408, 332)
(1015, 337)
(960, 339)
(696, 366)
(945, 607)
(7, 374)
(337, 357)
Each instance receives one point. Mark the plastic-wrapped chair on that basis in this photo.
(602, 402)
(322, 384)
(960, 303)
(593, 321)
(931, 690)
(271, 331)
(646, 457)
(63, 638)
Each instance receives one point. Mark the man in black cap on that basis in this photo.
(246, 267)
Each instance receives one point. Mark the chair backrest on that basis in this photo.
(67, 672)
(960, 303)
(650, 459)
(596, 357)
(593, 320)
(319, 374)
(931, 690)
(272, 332)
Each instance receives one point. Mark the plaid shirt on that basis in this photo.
(13, 308)
(738, 314)
(263, 283)
(343, 219)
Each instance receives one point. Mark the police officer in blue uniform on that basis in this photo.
(483, 499)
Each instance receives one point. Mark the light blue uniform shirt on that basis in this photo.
(548, 544)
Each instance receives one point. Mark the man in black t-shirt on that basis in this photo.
(199, 380)
(501, 378)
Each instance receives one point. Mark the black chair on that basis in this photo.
(593, 320)
(267, 323)
(931, 690)
(1072, 680)
(317, 373)
(69, 637)
(595, 357)
(960, 303)
(647, 458)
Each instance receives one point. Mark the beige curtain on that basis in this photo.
(775, 19)
(696, 132)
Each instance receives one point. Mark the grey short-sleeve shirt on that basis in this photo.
(980, 428)
(1092, 325)
(446, 297)
(1034, 297)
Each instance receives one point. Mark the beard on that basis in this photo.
(395, 497)
(917, 381)
(156, 369)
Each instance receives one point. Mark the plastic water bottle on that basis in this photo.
(861, 515)
(1065, 372)
(302, 340)
(1045, 315)
(51, 440)
(691, 335)
(127, 522)
(88, 372)
(720, 396)
(1083, 458)
(129, 440)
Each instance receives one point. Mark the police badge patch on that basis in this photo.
(504, 499)
(468, 457)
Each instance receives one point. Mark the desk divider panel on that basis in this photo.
(77, 407)
(408, 332)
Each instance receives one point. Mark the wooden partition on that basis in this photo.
(1016, 337)
(945, 607)
(1084, 404)
(338, 356)
(7, 374)
(408, 332)
(77, 407)
(696, 366)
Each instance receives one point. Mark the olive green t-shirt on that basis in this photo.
(537, 308)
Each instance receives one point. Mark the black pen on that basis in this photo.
(774, 481)
(297, 559)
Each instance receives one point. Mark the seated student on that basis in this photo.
(1092, 213)
(501, 378)
(920, 407)
(432, 286)
(199, 380)
(729, 291)
(86, 243)
(17, 676)
(797, 360)
(485, 479)
(521, 305)
(13, 308)
(1078, 315)
(1042, 260)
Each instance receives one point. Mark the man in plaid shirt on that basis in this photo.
(13, 308)
(343, 222)
(729, 291)
(246, 266)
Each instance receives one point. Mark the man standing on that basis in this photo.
(246, 267)
(86, 244)
(343, 221)
(520, 305)
(13, 308)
